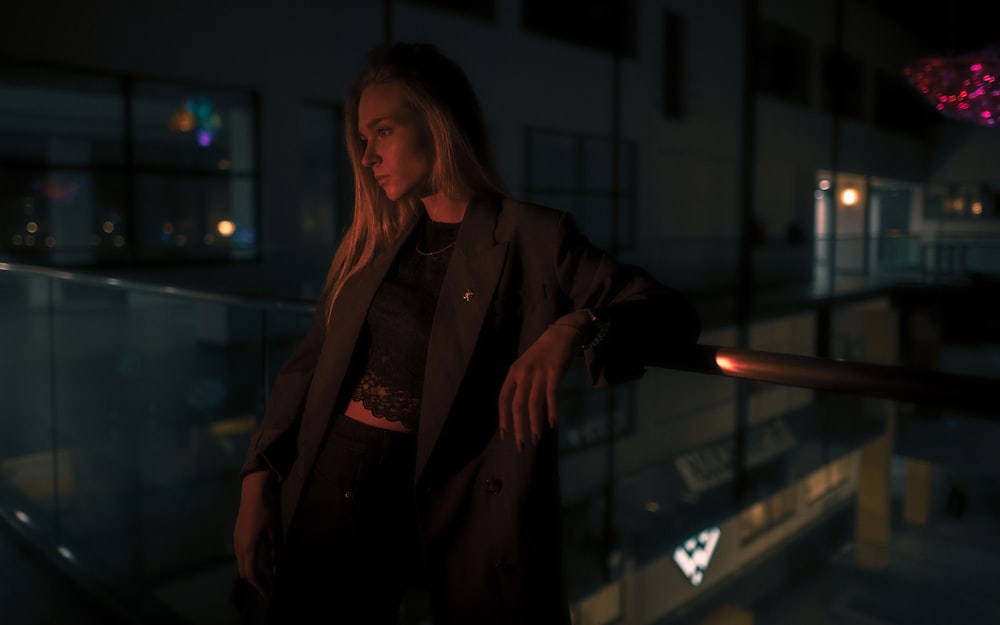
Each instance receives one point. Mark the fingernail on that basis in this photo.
(503, 433)
(535, 438)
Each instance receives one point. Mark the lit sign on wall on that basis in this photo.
(712, 465)
(695, 554)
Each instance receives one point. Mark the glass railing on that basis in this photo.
(127, 409)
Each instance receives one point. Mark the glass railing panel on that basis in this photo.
(127, 413)
(150, 388)
(688, 523)
(142, 402)
(28, 467)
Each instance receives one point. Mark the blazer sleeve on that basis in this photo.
(646, 319)
(273, 446)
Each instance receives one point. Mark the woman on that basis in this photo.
(410, 438)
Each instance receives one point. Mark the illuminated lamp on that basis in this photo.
(965, 87)
(226, 228)
(849, 197)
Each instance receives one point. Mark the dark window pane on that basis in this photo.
(188, 128)
(60, 118)
(575, 174)
(62, 216)
(606, 25)
(553, 160)
(196, 217)
(598, 173)
(843, 85)
(320, 138)
(783, 66)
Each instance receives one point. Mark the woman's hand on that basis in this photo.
(253, 536)
(528, 395)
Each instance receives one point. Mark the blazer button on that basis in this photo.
(494, 486)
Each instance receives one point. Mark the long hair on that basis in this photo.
(438, 90)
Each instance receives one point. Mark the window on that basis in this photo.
(766, 514)
(843, 85)
(962, 201)
(194, 164)
(783, 66)
(101, 169)
(827, 478)
(326, 177)
(62, 153)
(607, 25)
(576, 173)
(673, 65)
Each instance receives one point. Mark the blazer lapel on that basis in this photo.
(466, 295)
(346, 318)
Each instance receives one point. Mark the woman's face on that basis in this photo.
(395, 141)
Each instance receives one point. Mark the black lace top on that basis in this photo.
(399, 325)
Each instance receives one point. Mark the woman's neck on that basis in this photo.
(445, 209)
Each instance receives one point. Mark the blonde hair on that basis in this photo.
(437, 89)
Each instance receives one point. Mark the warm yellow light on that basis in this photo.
(31, 227)
(168, 228)
(824, 184)
(724, 362)
(849, 197)
(108, 227)
(226, 228)
(652, 506)
(977, 208)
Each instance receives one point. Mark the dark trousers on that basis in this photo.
(351, 550)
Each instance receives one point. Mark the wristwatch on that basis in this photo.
(599, 327)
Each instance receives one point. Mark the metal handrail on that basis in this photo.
(971, 394)
(965, 393)
(252, 301)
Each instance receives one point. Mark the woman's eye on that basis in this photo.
(384, 132)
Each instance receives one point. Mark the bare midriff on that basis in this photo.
(357, 411)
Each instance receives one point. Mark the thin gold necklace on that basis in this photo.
(416, 246)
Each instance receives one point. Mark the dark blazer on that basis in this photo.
(489, 515)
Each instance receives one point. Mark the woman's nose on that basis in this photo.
(369, 158)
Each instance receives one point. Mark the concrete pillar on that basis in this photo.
(918, 495)
(924, 351)
(874, 499)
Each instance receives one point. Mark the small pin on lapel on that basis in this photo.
(468, 295)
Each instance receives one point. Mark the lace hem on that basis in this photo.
(386, 402)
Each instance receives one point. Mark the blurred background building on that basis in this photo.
(821, 178)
